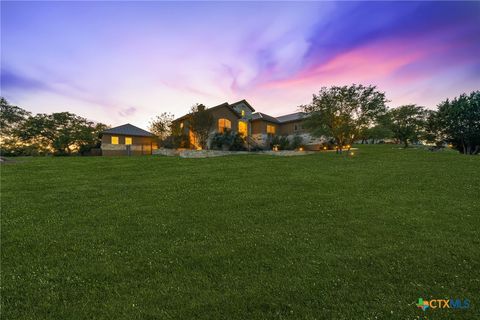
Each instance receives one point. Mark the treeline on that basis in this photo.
(349, 114)
(62, 133)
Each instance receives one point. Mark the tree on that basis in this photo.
(61, 133)
(407, 123)
(459, 121)
(201, 123)
(161, 125)
(376, 133)
(344, 112)
(11, 120)
(433, 131)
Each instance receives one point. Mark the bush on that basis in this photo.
(228, 141)
(281, 142)
(176, 141)
(296, 143)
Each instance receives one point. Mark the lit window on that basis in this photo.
(128, 140)
(224, 124)
(114, 140)
(242, 128)
(243, 113)
(181, 125)
(270, 129)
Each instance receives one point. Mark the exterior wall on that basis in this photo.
(260, 127)
(107, 138)
(224, 113)
(243, 107)
(217, 113)
(260, 139)
(311, 143)
(289, 128)
(295, 128)
(139, 146)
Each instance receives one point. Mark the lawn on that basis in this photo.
(242, 237)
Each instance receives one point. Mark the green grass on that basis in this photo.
(242, 237)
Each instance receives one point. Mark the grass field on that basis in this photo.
(242, 237)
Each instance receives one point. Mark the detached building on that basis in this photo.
(127, 140)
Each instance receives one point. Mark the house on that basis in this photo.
(256, 127)
(127, 140)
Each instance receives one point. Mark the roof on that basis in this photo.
(265, 117)
(129, 130)
(245, 103)
(225, 104)
(291, 117)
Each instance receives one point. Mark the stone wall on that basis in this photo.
(187, 153)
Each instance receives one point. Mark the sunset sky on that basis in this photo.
(119, 62)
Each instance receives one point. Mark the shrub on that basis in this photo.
(297, 142)
(228, 140)
(281, 142)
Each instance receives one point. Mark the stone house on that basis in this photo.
(256, 127)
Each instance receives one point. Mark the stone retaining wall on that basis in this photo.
(218, 153)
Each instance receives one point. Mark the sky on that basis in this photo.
(125, 62)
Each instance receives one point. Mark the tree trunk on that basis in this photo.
(477, 149)
(405, 144)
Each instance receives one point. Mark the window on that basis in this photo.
(243, 113)
(295, 128)
(128, 140)
(224, 124)
(270, 129)
(181, 125)
(114, 140)
(242, 128)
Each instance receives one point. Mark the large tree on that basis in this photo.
(407, 123)
(61, 133)
(201, 122)
(161, 125)
(459, 121)
(344, 112)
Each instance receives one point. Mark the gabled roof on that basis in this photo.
(245, 103)
(263, 116)
(225, 104)
(291, 117)
(129, 130)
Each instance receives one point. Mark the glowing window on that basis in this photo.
(270, 129)
(224, 124)
(128, 140)
(243, 113)
(181, 125)
(242, 128)
(114, 140)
